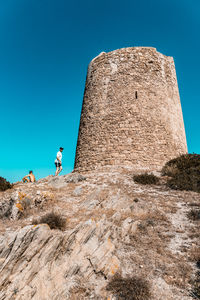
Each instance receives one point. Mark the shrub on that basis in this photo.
(184, 172)
(198, 264)
(195, 293)
(146, 179)
(181, 163)
(55, 221)
(4, 184)
(194, 214)
(134, 288)
(194, 255)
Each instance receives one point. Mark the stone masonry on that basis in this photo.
(131, 113)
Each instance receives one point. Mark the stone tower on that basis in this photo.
(131, 113)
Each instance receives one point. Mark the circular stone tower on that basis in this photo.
(131, 113)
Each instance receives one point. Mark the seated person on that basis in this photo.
(29, 178)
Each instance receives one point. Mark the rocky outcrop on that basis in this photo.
(113, 226)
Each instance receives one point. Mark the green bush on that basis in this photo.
(4, 184)
(54, 220)
(184, 172)
(146, 179)
(134, 288)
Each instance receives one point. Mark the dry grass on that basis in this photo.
(132, 288)
(194, 254)
(78, 293)
(150, 234)
(146, 179)
(194, 214)
(178, 274)
(54, 220)
(195, 292)
(153, 218)
(150, 243)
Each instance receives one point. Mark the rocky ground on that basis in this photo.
(113, 226)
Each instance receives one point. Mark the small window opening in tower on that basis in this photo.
(136, 95)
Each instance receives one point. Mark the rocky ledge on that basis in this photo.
(115, 228)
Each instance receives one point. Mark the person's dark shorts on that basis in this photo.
(58, 165)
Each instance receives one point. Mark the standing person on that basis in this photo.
(58, 161)
(29, 178)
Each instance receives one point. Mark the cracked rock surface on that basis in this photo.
(113, 225)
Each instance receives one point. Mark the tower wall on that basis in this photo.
(131, 113)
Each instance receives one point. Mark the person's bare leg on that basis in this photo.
(60, 169)
(57, 171)
(26, 180)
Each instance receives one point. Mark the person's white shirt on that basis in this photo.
(58, 156)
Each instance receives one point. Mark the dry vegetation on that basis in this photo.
(195, 292)
(55, 221)
(146, 179)
(4, 184)
(132, 288)
(194, 254)
(194, 214)
(184, 172)
(155, 244)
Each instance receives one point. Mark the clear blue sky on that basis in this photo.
(45, 48)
